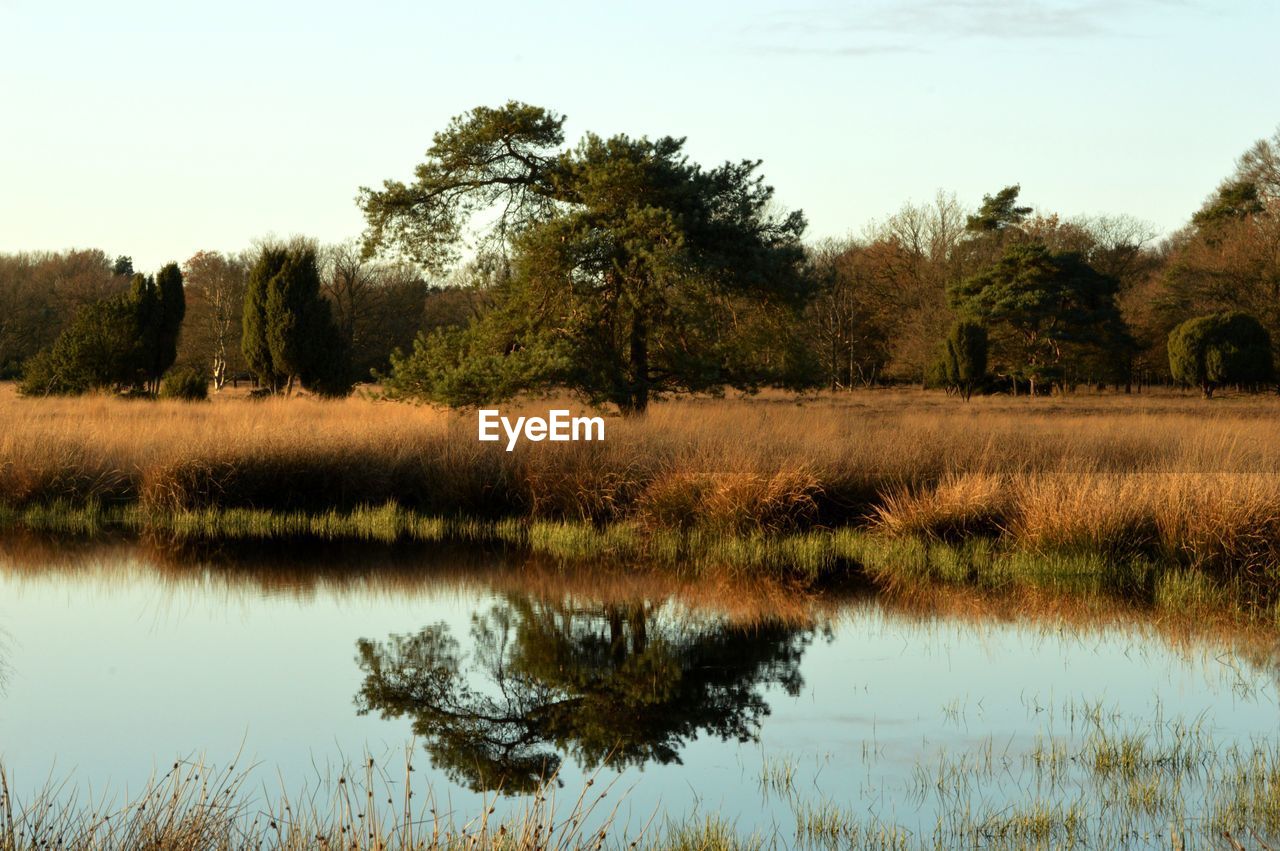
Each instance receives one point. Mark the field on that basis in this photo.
(1167, 476)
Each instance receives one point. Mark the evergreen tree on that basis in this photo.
(998, 212)
(289, 334)
(99, 350)
(1221, 348)
(170, 310)
(1036, 302)
(634, 272)
(146, 304)
(965, 359)
(254, 342)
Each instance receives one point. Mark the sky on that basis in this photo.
(157, 129)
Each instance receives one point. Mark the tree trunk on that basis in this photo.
(639, 367)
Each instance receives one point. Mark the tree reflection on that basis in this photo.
(619, 683)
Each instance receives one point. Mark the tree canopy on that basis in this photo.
(615, 683)
(964, 359)
(289, 337)
(1221, 348)
(630, 271)
(125, 341)
(1035, 302)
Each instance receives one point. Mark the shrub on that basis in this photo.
(99, 350)
(1221, 348)
(965, 360)
(186, 383)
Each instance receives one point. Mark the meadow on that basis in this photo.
(1165, 477)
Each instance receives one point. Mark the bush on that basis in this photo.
(1221, 348)
(965, 358)
(186, 383)
(99, 350)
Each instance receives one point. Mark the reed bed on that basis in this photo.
(1168, 477)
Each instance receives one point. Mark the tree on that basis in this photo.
(1236, 199)
(171, 309)
(377, 307)
(40, 295)
(101, 349)
(1221, 348)
(850, 319)
(913, 257)
(634, 272)
(965, 358)
(998, 212)
(1035, 302)
(123, 266)
(1260, 166)
(289, 337)
(253, 340)
(1228, 257)
(215, 285)
(160, 304)
(621, 683)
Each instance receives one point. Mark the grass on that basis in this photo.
(1104, 787)
(199, 807)
(1169, 479)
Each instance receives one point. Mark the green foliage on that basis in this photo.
(998, 212)
(1221, 348)
(1234, 200)
(253, 341)
(1036, 302)
(464, 367)
(289, 335)
(123, 266)
(618, 684)
(964, 362)
(187, 383)
(488, 158)
(104, 348)
(159, 305)
(648, 275)
(170, 311)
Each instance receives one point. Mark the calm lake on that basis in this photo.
(692, 696)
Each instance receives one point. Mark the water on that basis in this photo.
(698, 697)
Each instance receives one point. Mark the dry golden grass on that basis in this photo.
(1169, 474)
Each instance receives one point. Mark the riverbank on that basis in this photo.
(1169, 479)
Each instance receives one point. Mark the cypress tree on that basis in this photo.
(289, 333)
(170, 309)
(254, 344)
(965, 361)
(146, 311)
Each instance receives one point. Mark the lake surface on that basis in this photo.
(695, 696)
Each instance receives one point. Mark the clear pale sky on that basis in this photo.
(156, 129)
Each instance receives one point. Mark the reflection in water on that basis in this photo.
(623, 684)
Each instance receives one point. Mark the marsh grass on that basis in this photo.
(1171, 472)
(803, 563)
(1095, 783)
(195, 806)
(1166, 498)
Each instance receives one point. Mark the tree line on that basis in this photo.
(281, 315)
(620, 269)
